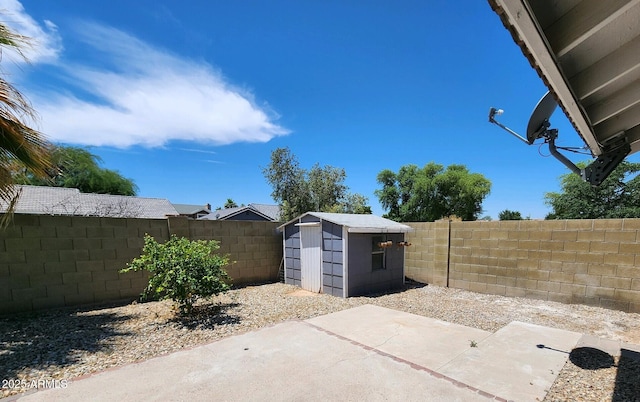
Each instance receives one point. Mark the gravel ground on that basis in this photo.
(63, 344)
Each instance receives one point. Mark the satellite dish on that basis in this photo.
(539, 121)
(538, 127)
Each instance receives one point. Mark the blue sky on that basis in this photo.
(189, 98)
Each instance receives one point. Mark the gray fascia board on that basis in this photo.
(378, 230)
(520, 16)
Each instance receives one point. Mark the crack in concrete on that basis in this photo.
(397, 332)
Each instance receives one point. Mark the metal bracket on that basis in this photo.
(599, 169)
(602, 167)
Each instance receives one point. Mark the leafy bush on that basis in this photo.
(182, 270)
(508, 215)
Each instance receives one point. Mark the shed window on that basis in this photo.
(378, 253)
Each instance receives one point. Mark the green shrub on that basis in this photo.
(182, 270)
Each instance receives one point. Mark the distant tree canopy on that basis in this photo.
(617, 197)
(320, 189)
(432, 192)
(230, 204)
(508, 215)
(75, 167)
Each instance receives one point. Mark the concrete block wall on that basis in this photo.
(255, 247)
(57, 261)
(426, 260)
(54, 261)
(594, 262)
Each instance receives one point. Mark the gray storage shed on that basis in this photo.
(344, 254)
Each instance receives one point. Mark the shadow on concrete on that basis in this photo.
(591, 358)
(207, 316)
(627, 387)
(55, 338)
(408, 284)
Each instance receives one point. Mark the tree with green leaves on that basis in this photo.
(289, 184)
(230, 204)
(182, 270)
(354, 203)
(20, 145)
(617, 197)
(508, 215)
(432, 192)
(326, 186)
(75, 167)
(319, 189)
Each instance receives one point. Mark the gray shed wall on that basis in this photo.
(292, 255)
(332, 260)
(361, 277)
(308, 218)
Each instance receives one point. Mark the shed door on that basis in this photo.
(311, 257)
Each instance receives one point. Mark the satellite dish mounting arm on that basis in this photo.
(492, 113)
(551, 139)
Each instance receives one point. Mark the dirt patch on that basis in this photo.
(303, 293)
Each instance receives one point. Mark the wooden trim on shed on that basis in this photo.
(345, 264)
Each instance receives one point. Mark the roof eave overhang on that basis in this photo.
(350, 229)
(249, 209)
(519, 19)
(377, 230)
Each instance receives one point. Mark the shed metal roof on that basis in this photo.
(358, 223)
(588, 53)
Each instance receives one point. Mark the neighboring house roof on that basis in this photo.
(586, 52)
(191, 209)
(271, 211)
(221, 214)
(357, 223)
(42, 200)
(268, 212)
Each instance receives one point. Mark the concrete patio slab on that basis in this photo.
(365, 353)
(292, 361)
(421, 340)
(605, 345)
(613, 348)
(519, 362)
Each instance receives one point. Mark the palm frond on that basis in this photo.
(19, 143)
(8, 38)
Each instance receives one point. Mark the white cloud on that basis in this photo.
(45, 41)
(134, 94)
(202, 151)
